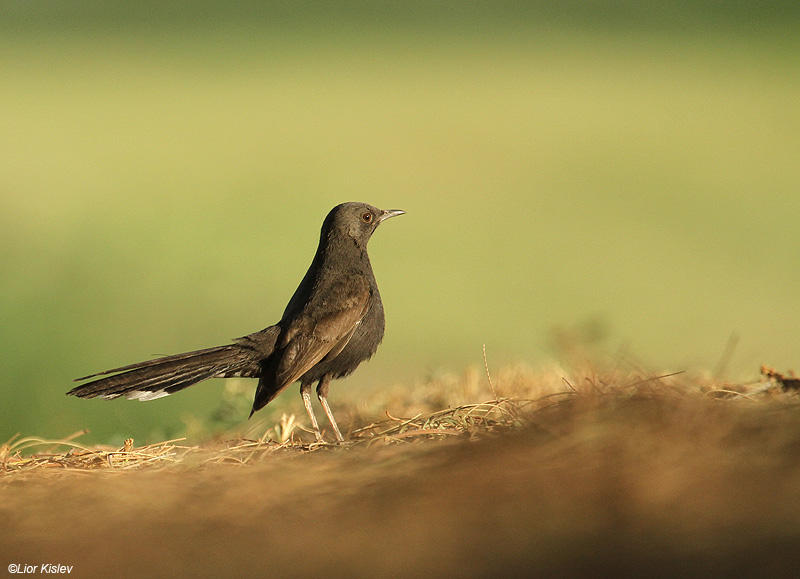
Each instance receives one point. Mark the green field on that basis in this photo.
(615, 181)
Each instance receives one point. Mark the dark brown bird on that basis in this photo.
(333, 322)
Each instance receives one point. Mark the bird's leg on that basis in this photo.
(322, 393)
(305, 392)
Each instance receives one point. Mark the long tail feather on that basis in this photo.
(162, 376)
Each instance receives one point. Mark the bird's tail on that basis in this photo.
(162, 376)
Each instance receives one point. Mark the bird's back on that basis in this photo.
(338, 271)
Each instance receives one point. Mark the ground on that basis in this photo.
(556, 475)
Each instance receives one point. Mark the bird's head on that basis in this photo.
(356, 220)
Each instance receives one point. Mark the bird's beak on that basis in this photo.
(390, 213)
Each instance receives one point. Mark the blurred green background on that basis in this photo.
(621, 173)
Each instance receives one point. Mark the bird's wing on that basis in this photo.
(310, 338)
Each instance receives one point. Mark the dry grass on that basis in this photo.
(597, 474)
(470, 420)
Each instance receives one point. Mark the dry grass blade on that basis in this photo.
(488, 375)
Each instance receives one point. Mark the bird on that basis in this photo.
(332, 323)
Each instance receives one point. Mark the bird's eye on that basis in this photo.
(367, 217)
